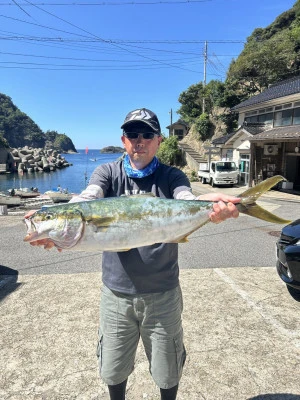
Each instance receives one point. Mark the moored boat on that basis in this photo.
(26, 193)
(10, 201)
(59, 197)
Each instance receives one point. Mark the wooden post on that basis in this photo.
(3, 210)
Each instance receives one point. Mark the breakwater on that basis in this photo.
(75, 178)
(28, 159)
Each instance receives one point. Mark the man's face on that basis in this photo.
(141, 151)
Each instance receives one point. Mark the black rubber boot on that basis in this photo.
(117, 392)
(169, 394)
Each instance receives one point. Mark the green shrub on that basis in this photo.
(169, 152)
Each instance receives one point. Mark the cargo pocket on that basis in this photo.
(180, 353)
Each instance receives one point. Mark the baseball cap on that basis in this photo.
(142, 115)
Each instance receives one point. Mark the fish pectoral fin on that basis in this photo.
(101, 222)
(254, 210)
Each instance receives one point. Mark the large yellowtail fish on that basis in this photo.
(122, 223)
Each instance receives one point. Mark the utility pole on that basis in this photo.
(171, 115)
(204, 76)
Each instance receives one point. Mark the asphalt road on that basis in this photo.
(241, 242)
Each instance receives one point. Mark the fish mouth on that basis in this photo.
(30, 236)
(31, 231)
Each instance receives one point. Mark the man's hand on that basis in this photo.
(223, 208)
(46, 243)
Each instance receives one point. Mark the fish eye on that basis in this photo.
(48, 216)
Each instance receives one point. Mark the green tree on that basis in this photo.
(204, 126)
(20, 130)
(3, 143)
(169, 152)
(191, 102)
(63, 142)
(270, 55)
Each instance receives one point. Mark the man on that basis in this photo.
(141, 295)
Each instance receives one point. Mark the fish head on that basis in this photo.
(64, 228)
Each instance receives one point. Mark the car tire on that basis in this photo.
(295, 293)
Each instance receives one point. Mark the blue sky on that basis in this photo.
(78, 67)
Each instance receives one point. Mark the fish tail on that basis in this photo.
(248, 204)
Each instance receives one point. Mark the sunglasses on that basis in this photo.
(135, 135)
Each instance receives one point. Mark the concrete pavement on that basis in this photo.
(241, 334)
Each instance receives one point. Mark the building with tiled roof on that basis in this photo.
(267, 141)
(275, 92)
(179, 129)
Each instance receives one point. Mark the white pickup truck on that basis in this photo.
(218, 173)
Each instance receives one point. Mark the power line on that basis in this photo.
(125, 3)
(18, 5)
(86, 59)
(112, 44)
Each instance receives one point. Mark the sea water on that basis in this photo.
(73, 178)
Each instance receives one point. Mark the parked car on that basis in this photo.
(288, 257)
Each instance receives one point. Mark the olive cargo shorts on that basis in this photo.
(156, 317)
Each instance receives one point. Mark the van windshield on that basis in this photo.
(226, 166)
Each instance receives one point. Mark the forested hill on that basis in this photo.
(270, 55)
(17, 129)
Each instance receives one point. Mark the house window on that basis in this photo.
(251, 119)
(266, 118)
(179, 133)
(296, 119)
(283, 118)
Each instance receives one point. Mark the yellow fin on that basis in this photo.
(248, 204)
(100, 222)
(253, 193)
(183, 240)
(254, 210)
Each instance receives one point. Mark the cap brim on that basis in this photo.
(139, 121)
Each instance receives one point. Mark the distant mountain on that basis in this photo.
(112, 149)
(17, 129)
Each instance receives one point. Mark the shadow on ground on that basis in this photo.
(8, 281)
(276, 396)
